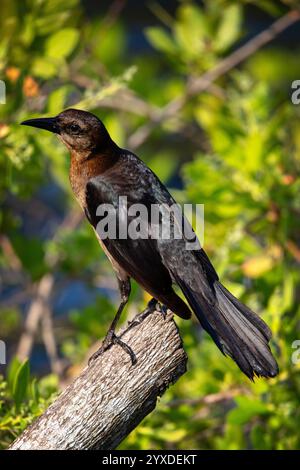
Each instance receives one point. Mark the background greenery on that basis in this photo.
(235, 147)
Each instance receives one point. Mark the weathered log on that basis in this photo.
(111, 396)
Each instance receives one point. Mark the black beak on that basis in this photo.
(49, 124)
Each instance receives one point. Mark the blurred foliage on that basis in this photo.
(22, 399)
(236, 148)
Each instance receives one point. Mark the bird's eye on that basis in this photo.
(74, 128)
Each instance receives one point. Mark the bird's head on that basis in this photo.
(80, 131)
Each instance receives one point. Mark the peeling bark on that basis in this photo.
(111, 397)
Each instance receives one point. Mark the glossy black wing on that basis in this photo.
(139, 257)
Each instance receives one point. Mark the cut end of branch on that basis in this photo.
(111, 396)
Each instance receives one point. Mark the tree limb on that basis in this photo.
(111, 397)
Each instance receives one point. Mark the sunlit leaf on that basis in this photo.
(161, 40)
(230, 27)
(21, 382)
(62, 43)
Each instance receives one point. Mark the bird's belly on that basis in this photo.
(122, 274)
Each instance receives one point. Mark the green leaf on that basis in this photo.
(192, 31)
(116, 129)
(288, 291)
(260, 438)
(271, 7)
(247, 408)
(34, 390)
(44, 68)
(57, 99)
(12, 369)
(164, 164)
(21, 383)
(31, 253)
(230, 27)
(161, 40)
(62, 43)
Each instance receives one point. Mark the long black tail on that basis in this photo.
(237, 330)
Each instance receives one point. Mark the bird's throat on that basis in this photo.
(85, 167)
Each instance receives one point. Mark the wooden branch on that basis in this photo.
(111, 397)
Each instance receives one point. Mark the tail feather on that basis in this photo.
(237, 330)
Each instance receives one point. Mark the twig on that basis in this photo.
(210, 399)
(113, 13)
(127, 100)
(10, 253)
(35, 311)
(293, 249)
(50, 342)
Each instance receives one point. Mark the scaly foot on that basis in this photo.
(108, 341)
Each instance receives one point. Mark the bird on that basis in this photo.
(100, 173)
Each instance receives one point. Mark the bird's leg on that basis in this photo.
(151, 307)
(111, 338)
(163, 309)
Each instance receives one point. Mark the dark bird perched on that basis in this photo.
(100, 172)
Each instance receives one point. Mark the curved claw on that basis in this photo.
(126, 347)
(107, 343)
